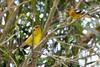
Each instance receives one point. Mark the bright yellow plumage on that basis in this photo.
(36, 34)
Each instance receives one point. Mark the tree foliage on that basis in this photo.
(66, 41)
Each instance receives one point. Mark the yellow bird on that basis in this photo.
(74, 13)
(34, 38)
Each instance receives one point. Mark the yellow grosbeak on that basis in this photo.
(35, 37)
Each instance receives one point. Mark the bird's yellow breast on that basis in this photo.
(35, 37)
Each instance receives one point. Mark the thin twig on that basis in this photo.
(9, 24)
(8, 39)
(51, 14)
(13, 61)
(2, 13)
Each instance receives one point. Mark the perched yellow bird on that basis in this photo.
(74, 13)
(36, 34)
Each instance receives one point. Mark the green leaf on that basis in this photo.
(78, 28)
(4, 53)
(18, 56)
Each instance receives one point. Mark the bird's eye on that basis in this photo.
(36, 27)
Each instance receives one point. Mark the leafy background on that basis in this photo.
(64, 44)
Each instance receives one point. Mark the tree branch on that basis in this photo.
(9, 24)
(51, 14)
